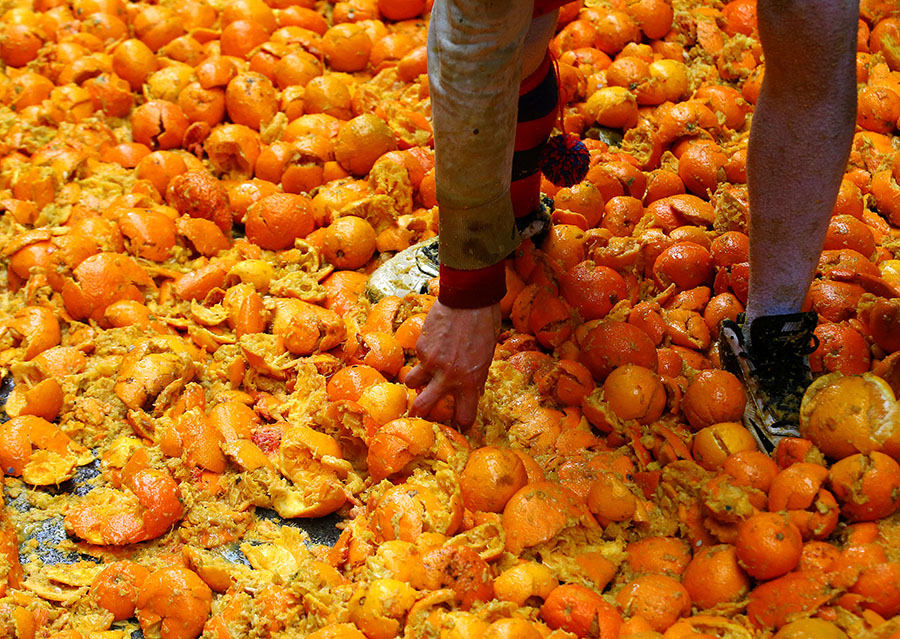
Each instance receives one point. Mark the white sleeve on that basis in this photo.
(474, 72)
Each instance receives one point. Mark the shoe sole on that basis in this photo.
(409, 271)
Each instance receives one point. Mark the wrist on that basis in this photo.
(473, 288)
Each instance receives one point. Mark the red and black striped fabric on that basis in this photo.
(546, 6)
(538, 112)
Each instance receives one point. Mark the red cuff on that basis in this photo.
(472, 289)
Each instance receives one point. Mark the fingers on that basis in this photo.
(466, 407)
(430, 396)
(417, 377)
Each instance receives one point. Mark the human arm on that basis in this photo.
(455, 352)
(474, 59)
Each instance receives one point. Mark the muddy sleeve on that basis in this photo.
(474, 70)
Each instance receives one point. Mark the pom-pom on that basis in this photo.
(565, 160)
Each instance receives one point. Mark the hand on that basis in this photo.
(455, 351)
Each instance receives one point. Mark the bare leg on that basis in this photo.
(799, 144)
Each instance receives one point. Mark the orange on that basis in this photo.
(385, 402)
(565, 244)
(700, 166)
(662, 183)
(350, 382)
(866, 485)
(609, 499)
(714, 576)
(156, 26)
(458, 568)
(846, 567)
(721, 307)
(408, 332)
(275, 221)
(621, 215)
(684, 264)
(116, 587)
(21, 43)
(215, 71)
(593, 289)
(349, 242)
(233, 148)
(843, 415)
(490, 478)
(878, 109)
(296, 68)
(377, 349)
(347, 47)
(550, 319)
(715, 443)
(361, 141)
(379, 608)
(523, 581)
(659, 599)
(768, 545)
(343, 290)
(158, 124)
(612, 344)
(401, 9)
(298, 16)
(176, 601)
(407, 511)
(635, 392)
(614, 107)
(338, 631)
(255, 10)
(329, 95)
(879, 588)
(615, 29)
(818, 555)
(250, 99)
(666, 555)
(727, 101)
(581, 611)
(751, 468)
(842, 349)
(848, 232)
(583, 198)
(797, 594)
(241, 37)
(577, 34)
(414, 64)
(512, 628)
(811, 628)
(676, 210)
(653, 16)
(713, 396)
(538, 511)
(200, 195)
(133, 61)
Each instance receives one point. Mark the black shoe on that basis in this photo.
(409, 271)
(774, 370)
(535, 225)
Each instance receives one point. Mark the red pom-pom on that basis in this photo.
(565, 160)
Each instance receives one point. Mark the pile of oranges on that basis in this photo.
(193, 195)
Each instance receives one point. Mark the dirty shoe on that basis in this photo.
(774, 368)
(535, 225)
(407, 272)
